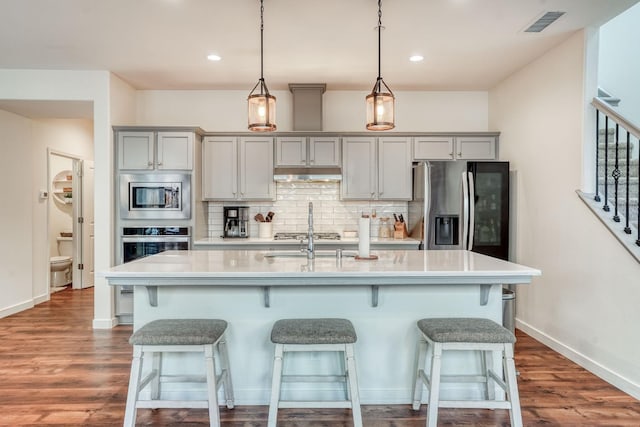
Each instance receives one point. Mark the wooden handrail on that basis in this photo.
(616, 117)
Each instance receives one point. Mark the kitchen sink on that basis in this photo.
(299, 254)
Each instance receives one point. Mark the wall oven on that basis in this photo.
(155, 196)
(139, 242)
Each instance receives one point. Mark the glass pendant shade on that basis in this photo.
(262, 112)
(380, 108)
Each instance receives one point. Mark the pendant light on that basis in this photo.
(380, 102)
(262, 105)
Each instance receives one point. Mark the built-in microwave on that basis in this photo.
(155, 196)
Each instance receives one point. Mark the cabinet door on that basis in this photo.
(256, 169)
(433, 148)
(394, 168)
(175, 150)
(358, 168)
(476, 147)
(135, 150)
(291, 151)
(220, 168)
(324, 151)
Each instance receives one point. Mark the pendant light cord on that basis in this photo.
(261, 40)
(379, 37)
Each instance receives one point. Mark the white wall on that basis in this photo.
(47, 85)
(619, 62)
(226, 111)
(585, 305)
(16, 214)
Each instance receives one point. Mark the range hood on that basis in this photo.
(307, 116)
(305, 174)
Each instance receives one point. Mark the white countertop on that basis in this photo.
(255, 241)
(256, 268)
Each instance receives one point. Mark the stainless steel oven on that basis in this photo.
(139, 242)
(155, 196)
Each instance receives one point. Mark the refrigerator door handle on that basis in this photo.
(472, 210)
(465, 210)
(427, 205)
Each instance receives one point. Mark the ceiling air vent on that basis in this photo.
(544, 21)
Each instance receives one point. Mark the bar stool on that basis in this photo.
(179, 336)
(482, 335)
(311, 335)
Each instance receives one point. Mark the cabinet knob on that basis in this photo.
(451, 155)
(159, 163)
(460, 154)
(149, 163)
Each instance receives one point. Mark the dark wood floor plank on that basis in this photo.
(57, 371)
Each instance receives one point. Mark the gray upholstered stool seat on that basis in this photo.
(163, 336)
(179, 332)
(315, 335)
(465, 330)
(313, 331)
(477, 334)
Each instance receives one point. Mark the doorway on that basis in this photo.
(70, 226)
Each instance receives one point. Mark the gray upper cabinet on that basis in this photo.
(454, 148)
(395, 176)
(376, 168)
(237, 168)
(155, 150)
(307, 151)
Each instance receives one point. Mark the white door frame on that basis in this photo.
(79, 240)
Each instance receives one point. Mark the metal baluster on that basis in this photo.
(616, 178)
(606, 161)
(638, 216)
(627, 229)
(597, 196)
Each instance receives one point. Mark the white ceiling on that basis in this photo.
(163, 44)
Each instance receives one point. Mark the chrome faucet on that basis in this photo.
(310, 254)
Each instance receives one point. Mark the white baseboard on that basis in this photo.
(589, 364)
(40, 299)
(105, 323)
(17, 308)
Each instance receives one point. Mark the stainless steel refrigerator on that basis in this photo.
(461, 205)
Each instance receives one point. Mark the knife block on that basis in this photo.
(400, 230)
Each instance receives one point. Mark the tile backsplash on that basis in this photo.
(291, 210)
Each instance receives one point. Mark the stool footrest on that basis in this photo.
(314, 378)
(174, 404)
(314, 404)
(475, 404)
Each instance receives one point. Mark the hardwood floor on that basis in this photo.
(55, 370)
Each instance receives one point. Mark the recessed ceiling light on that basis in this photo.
(214, 57)
(416, 58)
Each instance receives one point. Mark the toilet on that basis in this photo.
(60, 266)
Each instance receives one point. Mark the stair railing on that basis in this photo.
(615, 125)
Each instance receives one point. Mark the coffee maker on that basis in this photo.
(236, 221)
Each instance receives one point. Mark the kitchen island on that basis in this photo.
(383, 298)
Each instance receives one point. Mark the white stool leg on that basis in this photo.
(226, 377)
(418, 383)
(156, 369)
(353, 386)
(487, 365)
(434, 385)
(512, 386)
(134, 385)
(212, 388)
(275, 385)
